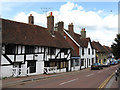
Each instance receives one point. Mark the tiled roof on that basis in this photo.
(98, 47)
(26, 34)
(83, 42)
(108, 49)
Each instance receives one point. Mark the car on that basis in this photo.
(118, 60)
(96, 66)
(105, 64)
(113, 62)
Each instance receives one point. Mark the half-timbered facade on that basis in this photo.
(29, 49)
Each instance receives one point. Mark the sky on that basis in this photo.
(100, 19)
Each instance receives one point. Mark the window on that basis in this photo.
(82, 51)
(92, 51)
(10, 49)
(92, 60)
(76, 62)
(89, 62)
(82, 62)
(29, 49)
(65, 51)
(89, 51)
(51, 51)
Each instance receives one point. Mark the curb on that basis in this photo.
(34, 79)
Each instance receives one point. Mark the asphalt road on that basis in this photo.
(85, 78)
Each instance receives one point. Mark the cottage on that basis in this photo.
(83, 54)
(100, 52)
(29, 49)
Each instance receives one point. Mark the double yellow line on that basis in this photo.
(105, 82)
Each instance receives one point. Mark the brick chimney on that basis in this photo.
(83, 33)
(70, 29)
(50, 23)
(31, 19)
(60, 27)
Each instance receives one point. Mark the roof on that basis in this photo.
(83, 42)
(27, 34)
(108, 49)
(98, 47)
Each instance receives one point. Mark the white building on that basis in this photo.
(83, 55)
(28, 49)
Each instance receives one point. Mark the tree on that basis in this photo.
(116, 47)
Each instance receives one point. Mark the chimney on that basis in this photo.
(60, 27)
(70, 29)
(83, 33)
(50, 23)
(31, 19)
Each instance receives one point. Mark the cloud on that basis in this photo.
(100, 11)
(103, 29)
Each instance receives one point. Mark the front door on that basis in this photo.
(17, 65)
(32, 66)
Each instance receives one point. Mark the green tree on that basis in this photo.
(116, 47)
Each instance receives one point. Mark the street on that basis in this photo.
(85, 78)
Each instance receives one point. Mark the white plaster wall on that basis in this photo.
(6, 71)
(62, 55)
(19, 49)
(23, 49)
(20, 58)
(4, 60)
(39, 67)
(29, 57)
(39, 57)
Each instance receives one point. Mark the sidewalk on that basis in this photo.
(15, 80)
(113, 84)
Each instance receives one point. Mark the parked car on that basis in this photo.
(96, 66)
(105, 64)
(118, 60)
(114, 62)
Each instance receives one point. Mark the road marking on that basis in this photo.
(89, 75)
(105, 82)
(68, 81)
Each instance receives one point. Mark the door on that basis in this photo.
(32, 66)
(17, 69)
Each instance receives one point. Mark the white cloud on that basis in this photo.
(98, 28)
(100, 11)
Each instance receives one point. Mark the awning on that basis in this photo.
(75, 57)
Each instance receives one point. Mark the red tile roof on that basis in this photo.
(98, 47)
(83, 42)
(108, 49)
(26, 34)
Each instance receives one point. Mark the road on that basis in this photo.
(85, 78)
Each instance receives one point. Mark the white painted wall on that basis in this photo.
(20, 58)
(4, 60)
(6, 71)
(29, 57)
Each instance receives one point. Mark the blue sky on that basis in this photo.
(99, 18)
(10, 9)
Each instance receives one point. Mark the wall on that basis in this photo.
(72, 43)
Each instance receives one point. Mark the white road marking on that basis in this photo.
(89, 75)
(68, 81)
